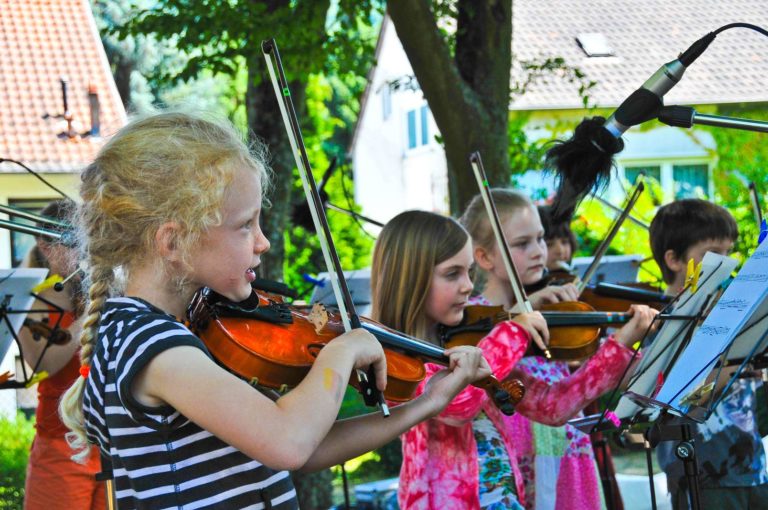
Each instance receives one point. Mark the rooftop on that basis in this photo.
(643, 35)
(42, 41)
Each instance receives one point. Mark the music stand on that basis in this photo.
(735, 328)
(636, 407)
(659, 357)
(16, 301)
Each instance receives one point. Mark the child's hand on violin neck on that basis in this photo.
(536, 326)
(634, 330)
(366, 350)
(467, 365)
(554, 294)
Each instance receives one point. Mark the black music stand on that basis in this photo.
(734, 332)
(16, 301)
(637, 409)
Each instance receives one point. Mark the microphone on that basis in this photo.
(645, 103)
(584, 161)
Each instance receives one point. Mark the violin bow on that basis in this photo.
(351, 320)
(606, 242)
(493, 215)
(755, 199)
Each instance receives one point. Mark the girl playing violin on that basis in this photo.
(556, 460)
(420, 281)
(53, 481)
(172, 204)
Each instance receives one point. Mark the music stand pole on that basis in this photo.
(673, 428)
(686, 451)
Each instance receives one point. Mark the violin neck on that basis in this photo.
(585, 318)
(631, 293)
(407, 345)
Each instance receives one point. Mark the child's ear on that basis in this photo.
(482, 258)
(673, 262)
(167, 241)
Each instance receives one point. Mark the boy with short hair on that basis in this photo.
(729, 450)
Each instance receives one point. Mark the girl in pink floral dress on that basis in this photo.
(463, 458)
(556, 460)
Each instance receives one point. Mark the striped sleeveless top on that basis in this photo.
(160, 459)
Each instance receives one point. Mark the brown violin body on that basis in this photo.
(574, 328)
(273, 344)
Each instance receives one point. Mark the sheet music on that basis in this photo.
(15, 288)
(738, 305)
(657, 356)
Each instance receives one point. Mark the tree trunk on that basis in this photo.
(468, 93)
(265, 122)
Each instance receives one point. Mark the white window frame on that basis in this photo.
(667, 179)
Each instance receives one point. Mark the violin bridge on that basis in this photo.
(318, 316)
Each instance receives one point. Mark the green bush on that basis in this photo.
(15, 440)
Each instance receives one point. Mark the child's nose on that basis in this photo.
(261, 244)
(466, 284)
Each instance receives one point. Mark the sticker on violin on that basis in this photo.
(318, 316)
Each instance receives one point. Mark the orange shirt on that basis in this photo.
(50, 389)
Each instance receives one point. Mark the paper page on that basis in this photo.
(657, 356)
(736, 307)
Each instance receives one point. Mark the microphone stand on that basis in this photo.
(687, 116)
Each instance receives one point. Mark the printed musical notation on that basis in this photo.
(734, 304)
(713, 330)
(743, 297)
(752, 277)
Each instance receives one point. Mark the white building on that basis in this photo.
(399, 165)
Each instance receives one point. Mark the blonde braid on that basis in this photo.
(71, 405)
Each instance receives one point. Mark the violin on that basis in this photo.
(574, 328)
(41, 329)
(607, 297)
(273, 344)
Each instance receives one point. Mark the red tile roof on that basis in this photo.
(41, 41)
(644, 34)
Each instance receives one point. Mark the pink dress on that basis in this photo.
(556, 460)
(440, 460)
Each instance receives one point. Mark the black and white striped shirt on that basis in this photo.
(160, 459)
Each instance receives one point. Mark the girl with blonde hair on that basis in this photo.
(172, 202)
(420, 281)
(556, 460)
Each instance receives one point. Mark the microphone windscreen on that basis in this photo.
(581, 163)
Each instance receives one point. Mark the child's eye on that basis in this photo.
(248, 225)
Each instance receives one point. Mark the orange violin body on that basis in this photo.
(276, 346)
(278, 355)
(574, 328)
